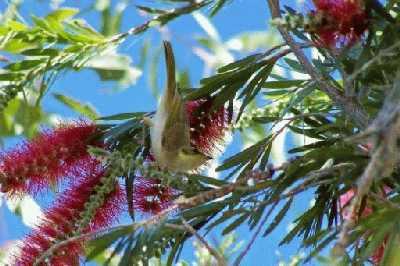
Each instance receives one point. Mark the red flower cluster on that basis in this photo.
(342, 22)
(61, 221)
(344, 203)
(207, 128)
(34, 165)
(150, 196)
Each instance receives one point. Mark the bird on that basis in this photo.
(170, 129)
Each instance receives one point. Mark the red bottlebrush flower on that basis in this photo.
(207, 128)
(339, 22)
(35, 164)
(378, 253)
(344, 202)
(62, 221)
(150, 196)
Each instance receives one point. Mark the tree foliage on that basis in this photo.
(340, 99)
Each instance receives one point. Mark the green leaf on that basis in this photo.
(240, 63)
(226, 216)
(282, 84)
(217, 6)
(205, 209)
(317, 144)
(265, 119)
(150, 10)
(16, 25)
(11, 76)
(41, 52)
(321, 246)
(23, 65)
(122, 129)
(257, 213)
(225, 79)
(298, 97)
(391, 256)
(277, 93)
(254, 86)
(80, 31)
(84, 109)
(376, 240)
(99, 244)
(243, 156)
(278, 218)
(123, 116)
(62, 14)
(235, 224)
(295, 65)
(17, 46)
(208, 180)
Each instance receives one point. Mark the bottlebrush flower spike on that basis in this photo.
(64, 219)
(150, 196)
(208, 129)
(35, 164)
(339, 22)
(344, 202)
(378, 253)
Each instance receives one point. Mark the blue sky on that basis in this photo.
(239, 16)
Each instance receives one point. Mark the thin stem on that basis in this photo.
(212, 251)
(254, 237)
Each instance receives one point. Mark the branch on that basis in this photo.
(350, 105)
(212, 251)
(162, 19)
(210, 195)
(308, 182)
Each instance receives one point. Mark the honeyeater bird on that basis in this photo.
(170, 129)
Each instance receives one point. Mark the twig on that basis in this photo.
(253, 239)
(167, 15)
(212, 251)
(210, 195)
(349, 104)
(307, 182)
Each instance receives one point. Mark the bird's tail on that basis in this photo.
(171, 89)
